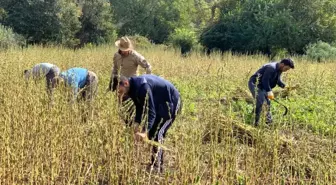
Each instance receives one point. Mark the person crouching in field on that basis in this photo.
(44, 70)
(83, 83)
(263, 81)
(160, 100)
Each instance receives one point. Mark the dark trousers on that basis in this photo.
(88, 94)
(261, 96)
(53, 72)
(158, 133)
(91, 87)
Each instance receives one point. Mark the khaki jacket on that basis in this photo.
(128, 66)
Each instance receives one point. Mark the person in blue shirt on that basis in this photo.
(159, 100)
(82, 81)
(263, 81)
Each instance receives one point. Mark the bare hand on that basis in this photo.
(141, 136)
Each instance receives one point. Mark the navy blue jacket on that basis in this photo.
(268, 77)
(153, 95)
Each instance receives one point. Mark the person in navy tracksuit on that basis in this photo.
(263, 81)
(156, 97)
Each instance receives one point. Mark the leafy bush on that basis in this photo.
(258, 26)
(184, 39)
(321, 51)
(279, 53)
(9, 39)
(140, 41)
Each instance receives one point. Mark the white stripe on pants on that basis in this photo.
(161, 134)
(160, 140)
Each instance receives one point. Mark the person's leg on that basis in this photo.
(89, 93)
(256, 109)
(153, 135)
(260, 99)
(159, 134)
(91, 86)
(269, 119)
(157, 152)
(53, 72)
(252, 88)
(178, 107)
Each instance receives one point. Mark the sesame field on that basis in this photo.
(213, 141)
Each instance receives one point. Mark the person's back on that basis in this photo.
(164, 93)
(162, 89)
(41, 69)
(270, 71)
(76, 77)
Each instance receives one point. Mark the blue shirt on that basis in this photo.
(158, 96)
(75, 77)
(268, 76)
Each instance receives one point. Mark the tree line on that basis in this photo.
(244, 26)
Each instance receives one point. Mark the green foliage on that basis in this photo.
(25, 17)
(183, 39)
(96, 21)
(44, 21)
(266, 25)
(61, 21)
(3, 14)
(158, 19)
(139, 41)
(70, 24)
(8, 38)
(153, 19)
(321, 51)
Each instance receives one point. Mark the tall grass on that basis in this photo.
(210, 143)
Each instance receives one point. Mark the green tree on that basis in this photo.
(157, 19)
(97, 22)
(9, 39)
(70, 25)
(271, 25)
(184, 39)
(49, 21)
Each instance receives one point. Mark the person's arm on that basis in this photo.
(144, 63)
(74, 85)
(115, 71)
(145, 105)
(74, 93)
(281, 83)
(266, 78)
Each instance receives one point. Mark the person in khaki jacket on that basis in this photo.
(126, 60)
(125, 63)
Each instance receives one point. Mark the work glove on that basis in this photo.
(270, 95)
